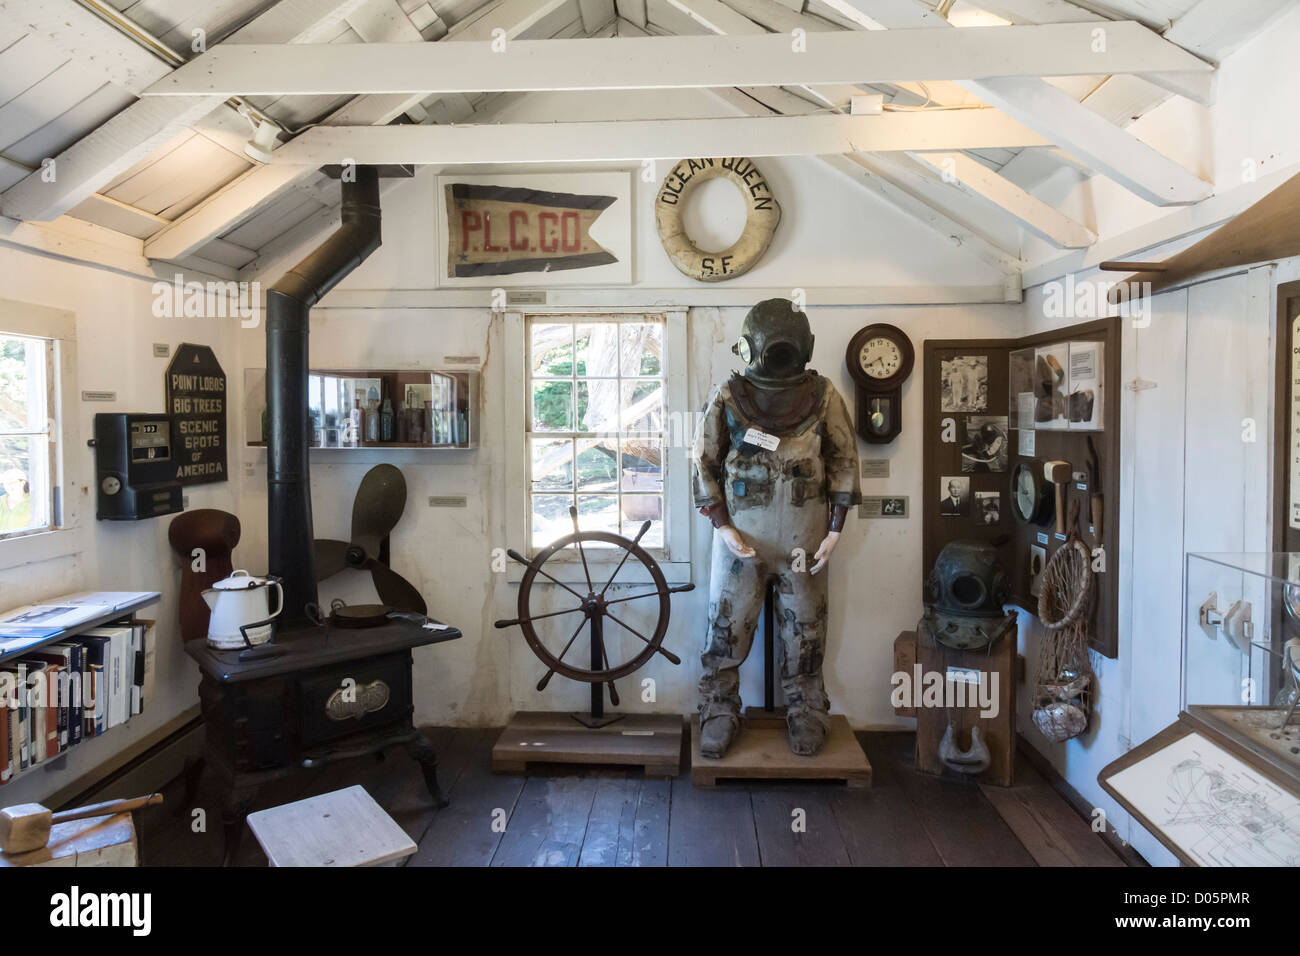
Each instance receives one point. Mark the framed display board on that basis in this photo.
(996, 412)
(1210, 802)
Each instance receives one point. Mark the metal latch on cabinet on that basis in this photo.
(1235, 622)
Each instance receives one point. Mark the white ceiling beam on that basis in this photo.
(222, 211)
(130, 136)
(1091, 138)
(866, 170)
(383, 21)
(638, 140)
(870, 173)
(842, 58)
(721, 19)
(1034, 214)
(779, 18)
(80, 35)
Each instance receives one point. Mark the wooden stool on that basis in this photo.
(95, 841)
(343, 828)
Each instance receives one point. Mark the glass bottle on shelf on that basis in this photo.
(386, 421)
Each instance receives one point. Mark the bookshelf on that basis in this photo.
(126, 610)
(122, 612)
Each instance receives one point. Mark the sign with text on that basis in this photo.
(196, 405)
(535, 229)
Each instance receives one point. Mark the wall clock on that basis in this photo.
(1029, 494)
(879, 358)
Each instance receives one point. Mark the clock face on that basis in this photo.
(880, 357)
(1025, 491)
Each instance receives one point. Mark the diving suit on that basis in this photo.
(775, 470)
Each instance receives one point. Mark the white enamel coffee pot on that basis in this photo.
(241, 604)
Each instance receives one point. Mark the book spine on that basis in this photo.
(137, 667)
(76, 693)
(56, 718)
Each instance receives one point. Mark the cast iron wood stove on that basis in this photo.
(323, 692)
(332, 693)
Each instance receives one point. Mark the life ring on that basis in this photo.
(760, 221)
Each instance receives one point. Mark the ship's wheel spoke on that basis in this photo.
(573, 513)
(645, 526)
(540, 617)
(556, 580)
(627, 628)
(633, 597)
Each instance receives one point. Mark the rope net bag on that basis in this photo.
(1063, 678)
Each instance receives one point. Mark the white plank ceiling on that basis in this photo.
(50, 97)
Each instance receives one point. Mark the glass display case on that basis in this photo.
(1241, 652)
(386, 408)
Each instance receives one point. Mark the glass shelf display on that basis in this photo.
(377, 408)
(1241, 651)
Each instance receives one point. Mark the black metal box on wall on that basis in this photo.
(134, 471)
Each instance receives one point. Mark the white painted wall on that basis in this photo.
(1242, 136)
(832, 235)
(115, 332)
(1189, 483)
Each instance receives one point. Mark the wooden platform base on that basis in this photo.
(650, 741)
(762, 752)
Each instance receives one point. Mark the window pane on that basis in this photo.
(597, 349)
(22, 384)
(550, 518)
(642, 349)
(642, 464)
(551, 350)
(552, 464)
(641, 508)
(552, 406)
(596, 471)
(598, 513)
(642, 405)
(21, 485)
(584, 414)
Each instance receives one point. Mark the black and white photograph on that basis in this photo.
(954, 497)
(988, 507)
(883, 506)
(987, 446)
(964, 381)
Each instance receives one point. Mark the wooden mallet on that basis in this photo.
(1058, 473)
(27, 826)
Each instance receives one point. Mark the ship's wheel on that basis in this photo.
(561, 654)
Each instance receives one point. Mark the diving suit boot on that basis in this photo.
(717, 734)
(807, 734)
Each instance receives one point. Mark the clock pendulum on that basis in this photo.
(880, 359)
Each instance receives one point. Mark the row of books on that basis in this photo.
(69, 691)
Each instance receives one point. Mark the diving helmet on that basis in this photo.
(775, 342)
(964, 596)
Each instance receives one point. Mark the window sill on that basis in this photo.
(675, 572)
(42, 546)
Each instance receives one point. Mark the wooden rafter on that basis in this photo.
(840, 58)
(137, 131)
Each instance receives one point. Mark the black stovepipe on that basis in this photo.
(288, 306)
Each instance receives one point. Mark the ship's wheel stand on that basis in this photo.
(651, 741)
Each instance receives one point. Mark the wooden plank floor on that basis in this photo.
(610, 817)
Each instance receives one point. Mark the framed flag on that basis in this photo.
(535, 229)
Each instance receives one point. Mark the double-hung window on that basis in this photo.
(603, 429)
(28, 435)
